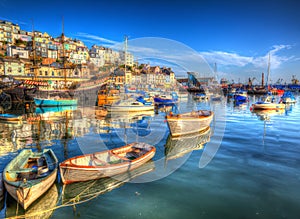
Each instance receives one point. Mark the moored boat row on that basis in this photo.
(30, 174)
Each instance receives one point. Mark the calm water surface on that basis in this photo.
(254, 174)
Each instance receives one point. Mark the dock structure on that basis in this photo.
(196, 81)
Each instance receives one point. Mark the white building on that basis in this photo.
(21, 52)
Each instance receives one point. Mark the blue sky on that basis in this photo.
(237, 35)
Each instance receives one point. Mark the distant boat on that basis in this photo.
(188, 123)
(166, 99)
(240, 96)
(108, 97)
(106, 163)
(29, 175)
(288, 97)
(129, 106)
(200, 96)
(50, 102)
(144, 101)
(10, 117)
(267, 103)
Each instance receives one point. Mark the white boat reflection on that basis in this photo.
(179, 146)
(80, 192)
(266, 114)
(41, 208)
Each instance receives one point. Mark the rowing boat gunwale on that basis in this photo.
(69, 164)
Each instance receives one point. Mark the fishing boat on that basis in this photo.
(188, 123)
(166, 99)
(129, 106)
(240, 96)
(108, 97)
(200, 96)
(56, 100)
(106, 163)
(177, 147)
(144, 101)
(288, 98)
(10, 117)
(29, 175)
(267, 103)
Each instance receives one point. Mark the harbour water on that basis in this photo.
(254, 173)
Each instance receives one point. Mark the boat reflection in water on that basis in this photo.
(41, 208)
(77, 193)
(179, 146)
(265, 115)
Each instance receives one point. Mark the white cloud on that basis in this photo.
(234, 59)
(94, 38)
(226, 58)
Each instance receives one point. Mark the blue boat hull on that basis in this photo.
(158, 100)
(53, 102)
(240, 98)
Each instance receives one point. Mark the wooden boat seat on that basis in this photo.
(119, 156)
(97, 162)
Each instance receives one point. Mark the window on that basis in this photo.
(46, 73)
(41, 73)
(52, 73)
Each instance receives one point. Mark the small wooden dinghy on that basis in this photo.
(188, 123)
(106, 163)
(29, 175)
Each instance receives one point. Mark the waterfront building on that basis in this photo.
(119, 77)
(12, 66)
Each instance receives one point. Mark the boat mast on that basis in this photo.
(268, 76)
(125, 54)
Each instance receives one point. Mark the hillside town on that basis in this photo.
(33, 55)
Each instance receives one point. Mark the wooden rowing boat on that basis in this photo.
(188, 123)
(29, 175)
(41, 208)
(106, 163)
